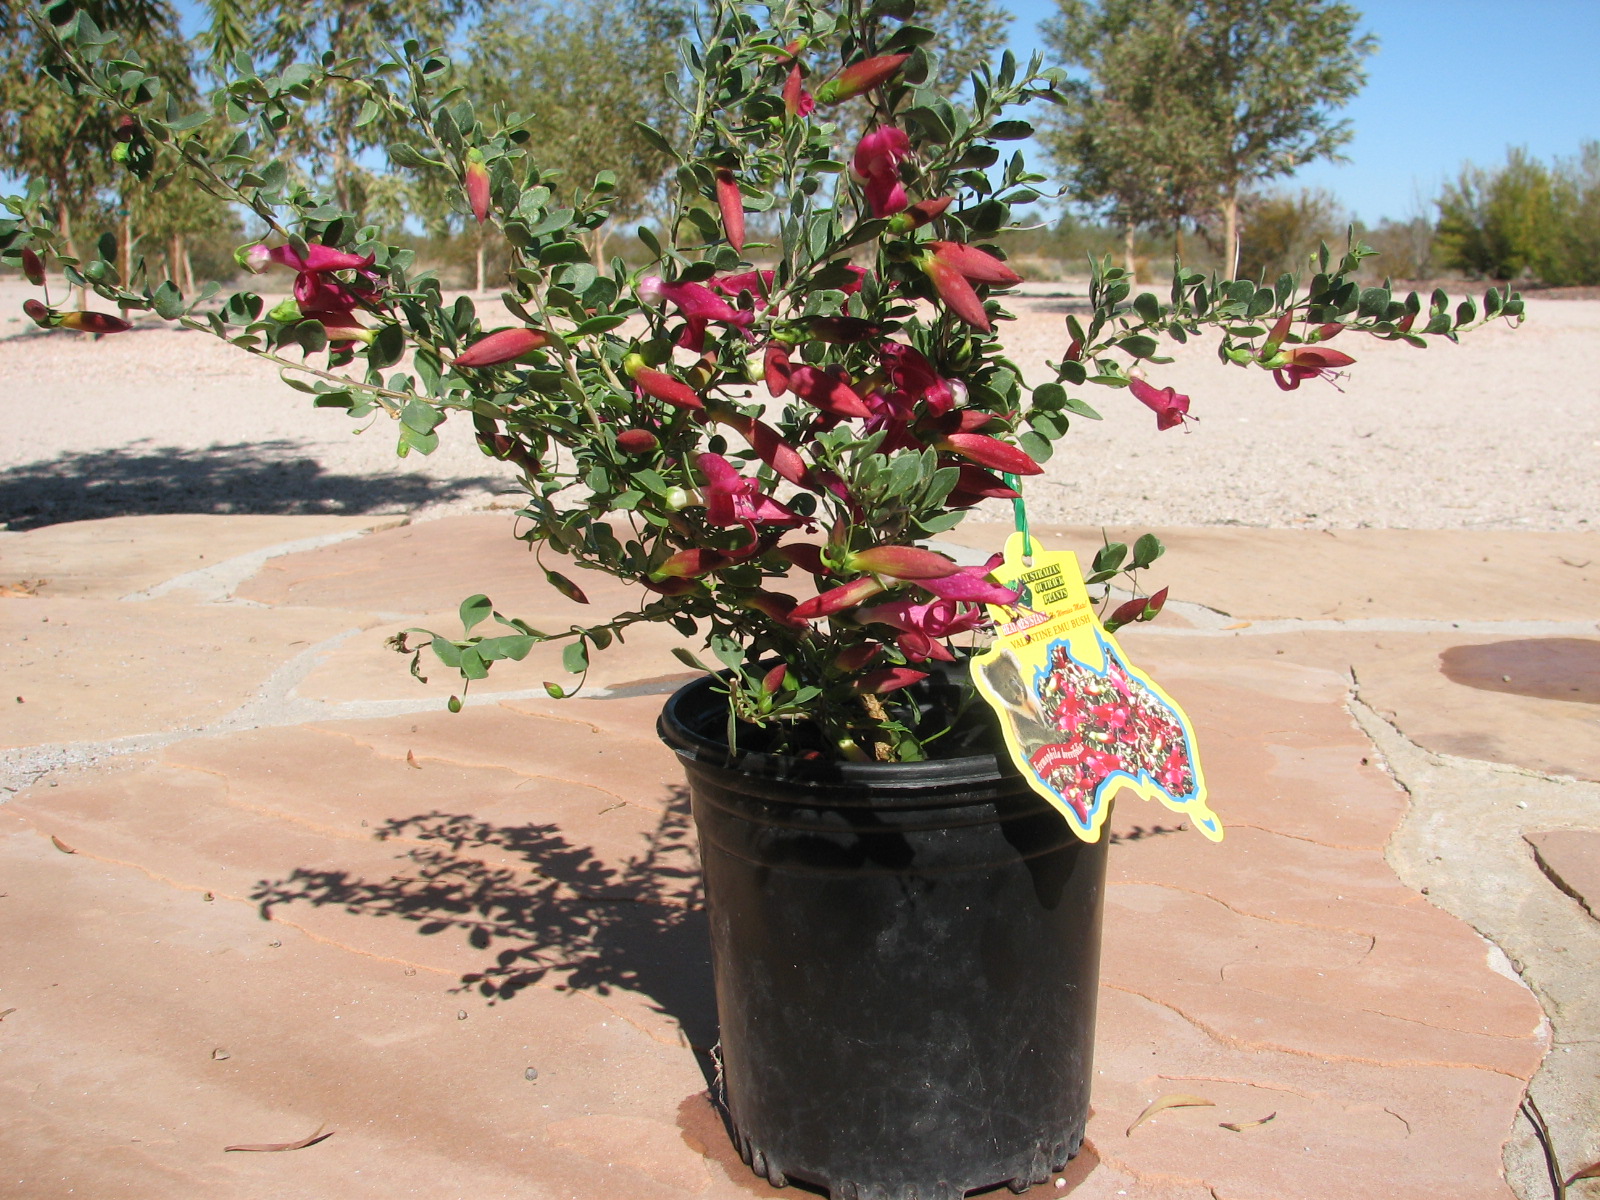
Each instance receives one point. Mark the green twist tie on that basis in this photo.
(1019, 511)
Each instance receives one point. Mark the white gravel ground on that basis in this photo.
(1501, 432)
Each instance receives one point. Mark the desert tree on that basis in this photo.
(1248, 91)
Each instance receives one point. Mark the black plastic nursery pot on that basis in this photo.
(906, 958)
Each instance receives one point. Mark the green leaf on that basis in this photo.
(1110, 557)
(1010, 131)
(601, 324)
(1146, 550)
(575, 657)
(473, 610)
(1036, 447)
(472, 664)
(168, 301)
(656, 139)
(689, 660)
(1140, 345)
(420, 416)
(387, 347)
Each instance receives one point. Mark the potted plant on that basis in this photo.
(761, 427)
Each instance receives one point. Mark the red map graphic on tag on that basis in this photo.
(1115, 726)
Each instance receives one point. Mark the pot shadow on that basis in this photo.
(566, 915)
(275, 477)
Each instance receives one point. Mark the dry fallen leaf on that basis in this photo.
(61, 846)
(6, 1013)
(1592, 1171)
(411, 760)
(274, 1146)
(22, 587)
(1243, 1125)
(1238, 625)
(1175, 1100)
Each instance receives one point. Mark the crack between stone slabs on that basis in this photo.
(1413, 769)
(1352, 847)
(1371, 939)
(1322, 1056)
(217, 582)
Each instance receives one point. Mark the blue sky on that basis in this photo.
(1452, 80)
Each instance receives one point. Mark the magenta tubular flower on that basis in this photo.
(779, 606)
(860, 77)
(797, 102)
(1310, 362)
(827, 392)
(506, 346)
(914, 381)
(972, 583)
(755, 283)
(876, 164)
(1169, 405)
(977, 484)
(888, 679)
(901, 562)
(731, 202)
(991, 452)
(775, 368)
(699, 305)
(638, 441)
(732, 499)
(477, 186)
(836, 600)
(660, 385)
(91, 322)
(954, 267)
(923, 626)
(770, 447)
(691, 564)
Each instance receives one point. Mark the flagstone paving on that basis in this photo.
(256, 883)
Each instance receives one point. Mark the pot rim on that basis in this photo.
(679, 729)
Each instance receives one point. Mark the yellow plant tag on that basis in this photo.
(1081, 721)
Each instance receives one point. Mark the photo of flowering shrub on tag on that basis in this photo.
(1080, 721)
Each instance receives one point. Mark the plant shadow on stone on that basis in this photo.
(560, 912)
(273, 477)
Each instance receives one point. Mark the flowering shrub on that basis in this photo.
(762, 427)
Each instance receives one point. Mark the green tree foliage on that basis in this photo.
(1279, 230)
(1206, 97)
(584, 75)
(66, 141)
(1130, 139)
(1525, 218)
(329, 144)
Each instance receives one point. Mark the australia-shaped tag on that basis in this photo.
(1082, 721)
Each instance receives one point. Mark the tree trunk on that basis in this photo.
(188, 265)
(1230, 235)
(1127, 251)
(71, 243)
(601, 236)
(1177, 240)
(479, 256)
(127, 248)
(175, 259)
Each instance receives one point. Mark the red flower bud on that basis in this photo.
(125, 129)
(690, 564)
(918, 215)
(33, 268)
(732, 205)
(637, 441)
(860, 77)
(775, 368)
(888, 679)
(1142, 608)
(92, 322)
(853, 658)
(505, 346)
(826, 604)
(902, 562)
(775, 680)
(661, 385)
(842, 330)
(991, 452)
(477, 184)
(953, 267)
(797, 102)
(42, 316)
